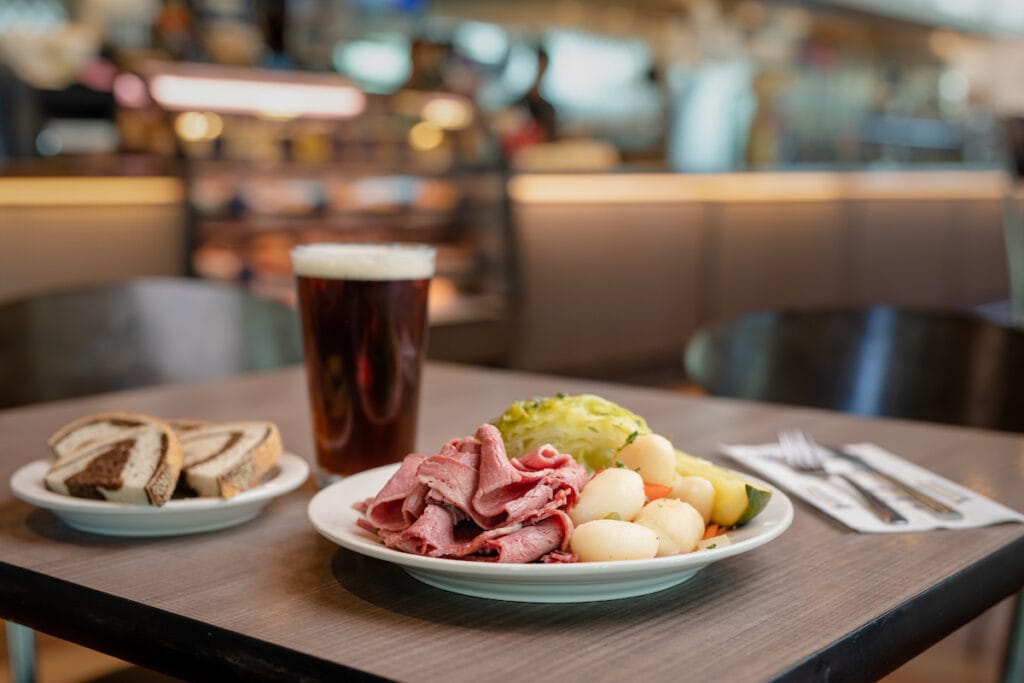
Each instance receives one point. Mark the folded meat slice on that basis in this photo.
(559, 467)
(500, 482)
(530, 543)
(451, 479)
(432, 534)
(387, 509)
(466, 450)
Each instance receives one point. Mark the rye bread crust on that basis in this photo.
(244, 474)
(183, 426)
(248, 473)
(128, 420)
(162, 483)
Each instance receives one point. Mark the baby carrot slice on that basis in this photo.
(656, 491)
(712, 530)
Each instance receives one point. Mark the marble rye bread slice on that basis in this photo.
(137, 464)
(226, 458)
(98, 428)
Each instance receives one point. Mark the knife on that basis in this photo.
(938, 508)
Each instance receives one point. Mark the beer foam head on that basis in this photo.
(364, 261)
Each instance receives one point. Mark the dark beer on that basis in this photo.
(364, 319)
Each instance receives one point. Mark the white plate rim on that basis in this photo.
(27, 484)
(360, 541)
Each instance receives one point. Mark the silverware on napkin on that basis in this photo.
(802, 454)
(938, 508)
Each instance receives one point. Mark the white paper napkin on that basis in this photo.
(836, 499)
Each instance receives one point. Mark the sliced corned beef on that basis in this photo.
(555, 466)
(416, 501)
(385, 511)
(432, 534)
(559, 557)
(471, 501)
(528, 544)
(449, 481)
(466, 450)
(500, 482)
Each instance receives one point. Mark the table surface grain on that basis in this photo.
(272, 599)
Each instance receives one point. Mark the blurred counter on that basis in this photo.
(762, 186)
(50, 191)
(616, 271)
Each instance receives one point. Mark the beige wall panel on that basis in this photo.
(981, 253)
(905, 252)
(775, 255)
(44, 248)
(605, 285)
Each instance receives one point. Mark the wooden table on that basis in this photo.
(273, 600)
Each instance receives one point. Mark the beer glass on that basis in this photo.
(364, 325)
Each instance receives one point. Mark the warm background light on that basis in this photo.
(194, 126)
(425, 136)
(264, 93)
(450, 113)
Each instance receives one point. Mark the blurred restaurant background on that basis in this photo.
(601, 178)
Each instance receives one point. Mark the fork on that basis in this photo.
(801, 453)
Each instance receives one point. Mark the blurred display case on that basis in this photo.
(289, 159)
(244, 220)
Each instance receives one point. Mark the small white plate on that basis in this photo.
(332, 515)
(176, 517)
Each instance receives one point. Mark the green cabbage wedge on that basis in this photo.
(588, 427)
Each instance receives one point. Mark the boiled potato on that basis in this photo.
(677, 525)
(698, 492)
(615, 492)
(652, 456)
(610, 539)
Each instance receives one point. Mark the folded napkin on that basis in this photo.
(836, 499)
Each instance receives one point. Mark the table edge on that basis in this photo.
(867, 654)
(152, 637)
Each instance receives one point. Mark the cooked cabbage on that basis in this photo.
(589, 427)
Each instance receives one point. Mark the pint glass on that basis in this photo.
(364, 317)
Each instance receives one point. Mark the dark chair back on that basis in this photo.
(947, 367)
(1013, 131)
(138, 333)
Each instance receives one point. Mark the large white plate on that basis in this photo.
(176, 517)
(332, 515)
